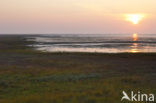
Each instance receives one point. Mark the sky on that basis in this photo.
(76, 16)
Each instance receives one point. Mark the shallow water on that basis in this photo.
(107, 43)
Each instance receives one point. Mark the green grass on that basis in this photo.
(29, 76)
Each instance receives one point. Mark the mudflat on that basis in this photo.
(30, 76)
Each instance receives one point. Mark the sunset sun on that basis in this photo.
(134, 18)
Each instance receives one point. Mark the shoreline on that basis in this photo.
(27, 75)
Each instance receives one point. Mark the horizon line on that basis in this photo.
(70, 33)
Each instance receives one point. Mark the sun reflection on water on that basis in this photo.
(134, 48)
(135, 37)
(114, 44)
(134, 45)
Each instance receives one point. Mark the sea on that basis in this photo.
(95, 43)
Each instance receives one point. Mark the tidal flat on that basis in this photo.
(31, 76)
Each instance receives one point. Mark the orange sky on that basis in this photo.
(76, 16)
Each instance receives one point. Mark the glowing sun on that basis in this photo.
(134, 18)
